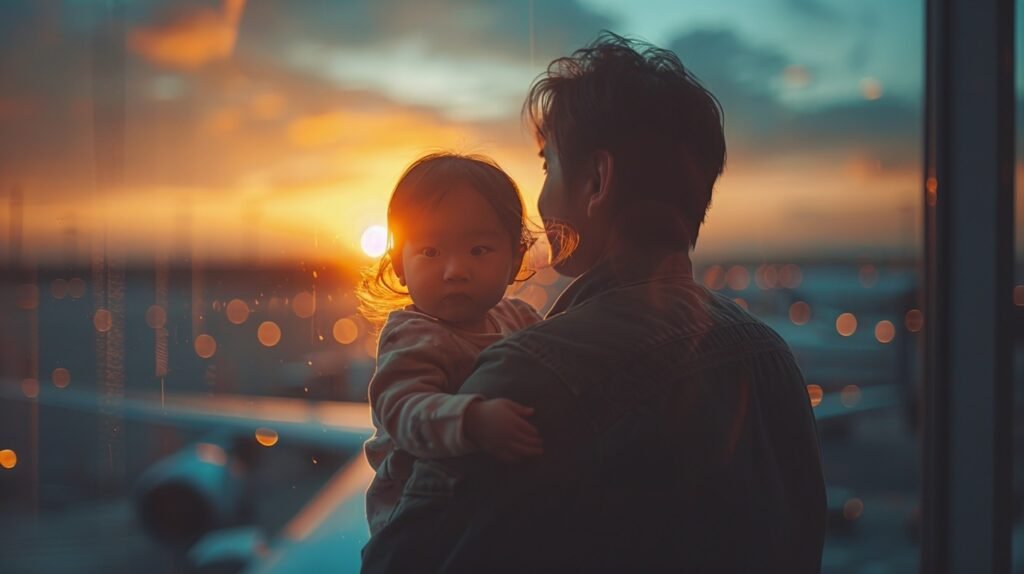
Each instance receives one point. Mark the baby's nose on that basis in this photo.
(456, 270)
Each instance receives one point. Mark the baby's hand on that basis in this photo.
(499, 427)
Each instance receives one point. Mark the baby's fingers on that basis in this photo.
(524, 428)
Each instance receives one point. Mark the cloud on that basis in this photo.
(192, 38)
(814, 9)
(749, 82)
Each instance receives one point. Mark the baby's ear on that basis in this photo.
(398, 265)
(517, 265)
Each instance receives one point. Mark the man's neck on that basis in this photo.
(624, 267)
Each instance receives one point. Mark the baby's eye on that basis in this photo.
(429, 252)
(480, 250)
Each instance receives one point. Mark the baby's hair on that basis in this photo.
(423, 185)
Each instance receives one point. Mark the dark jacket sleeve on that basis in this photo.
(449, 502)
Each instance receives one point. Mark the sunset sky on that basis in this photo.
(279, 128)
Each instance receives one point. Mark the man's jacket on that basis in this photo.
(678, 437)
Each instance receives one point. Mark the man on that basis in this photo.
(678, 435)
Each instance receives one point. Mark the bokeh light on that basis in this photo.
(59, 288)
(205, 346)
(304, 305)
(714, 277)
(345, 331)
(1018, 295)
(30, 388)
(8, 458)
(61, 378)
(27, 296)
(742, 303)
(914, 320)
(211, 453)
(871, 89)
(790, 276)
(850, 396)
(853, 509)
(846, 324)
(269, 333)
(102, 320)
(266, 436)
(815, 393)
(738, 278)
(156, 317)
(800, 313)
(237, 311)
(76, 287)
(868, 275)
(885, 332)
(767, 277)
(374, 241)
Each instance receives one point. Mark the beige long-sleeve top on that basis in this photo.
(421, 363)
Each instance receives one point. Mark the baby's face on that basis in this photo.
(458, 260)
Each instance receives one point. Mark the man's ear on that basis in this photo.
(398, 265)
(603, 171)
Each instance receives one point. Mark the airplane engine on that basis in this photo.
(198, 489)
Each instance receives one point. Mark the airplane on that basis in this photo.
(194, 501)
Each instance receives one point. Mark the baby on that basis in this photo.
(458, 236)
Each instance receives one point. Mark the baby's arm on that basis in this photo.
(409, 395)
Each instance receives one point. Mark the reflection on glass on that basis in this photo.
(191, 191)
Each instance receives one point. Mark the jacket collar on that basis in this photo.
(621, 271)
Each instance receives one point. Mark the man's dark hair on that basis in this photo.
(663, 129)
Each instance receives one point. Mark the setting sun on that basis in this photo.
(374, 241)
